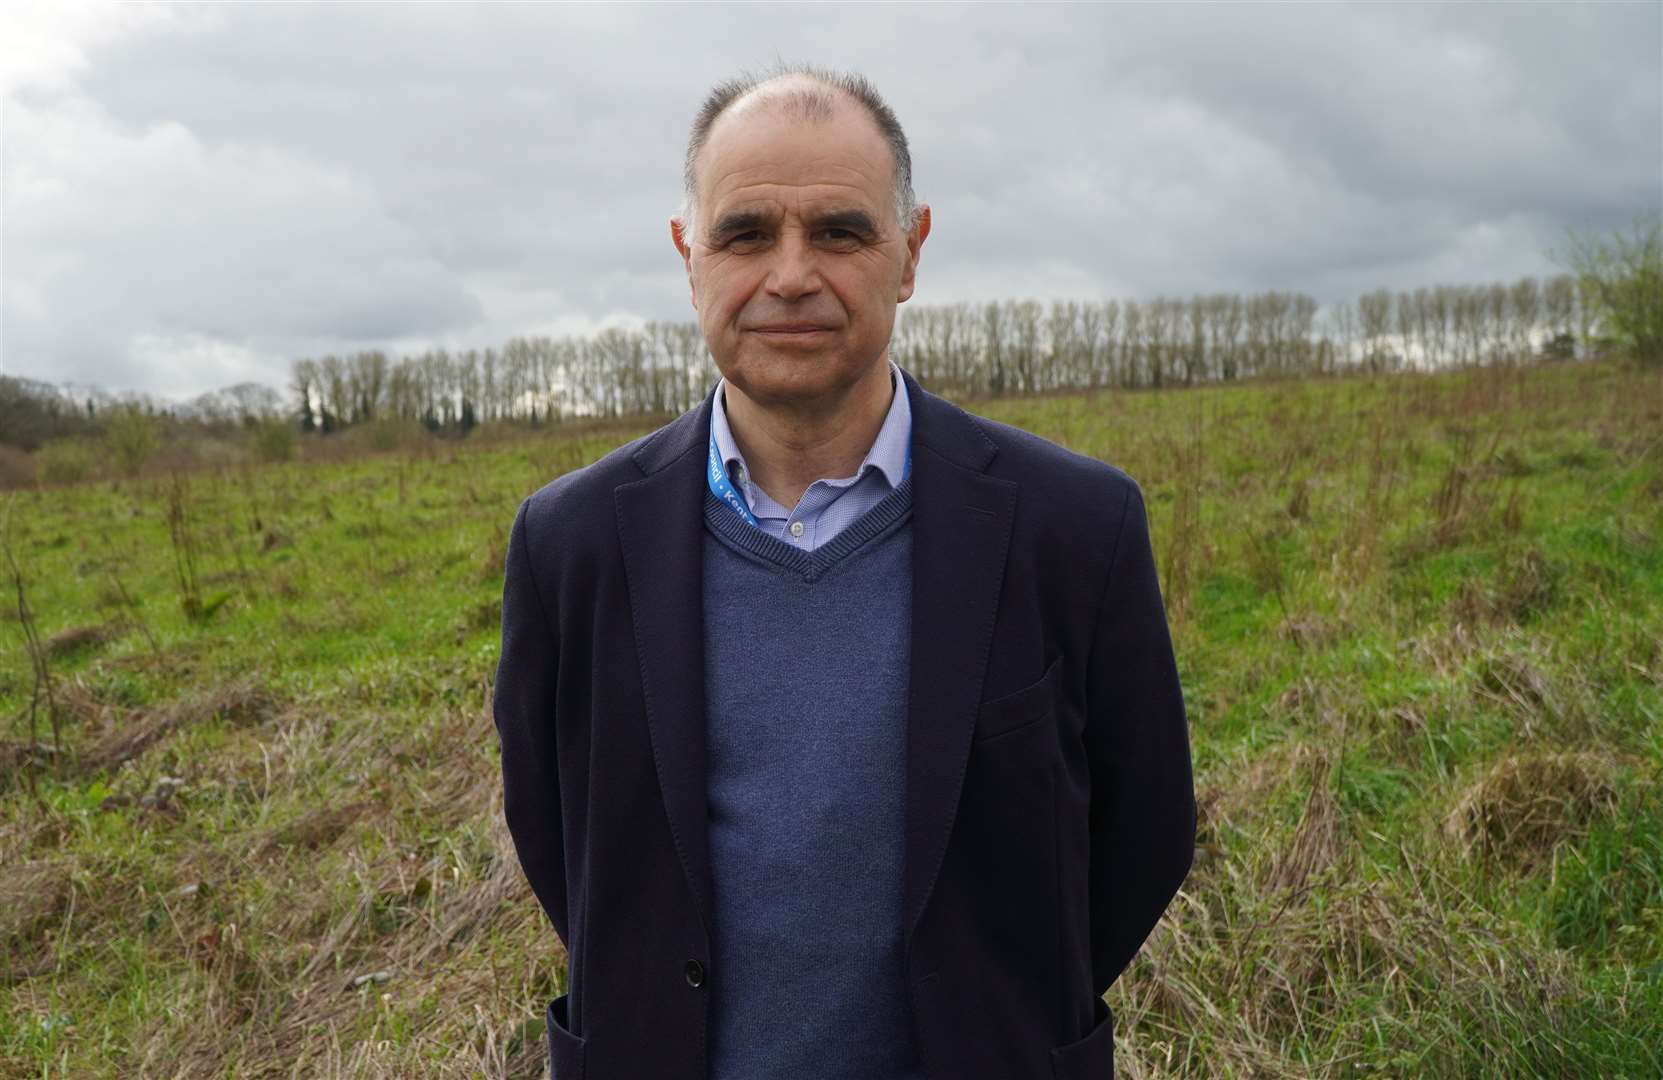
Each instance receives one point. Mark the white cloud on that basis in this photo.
(44, 43)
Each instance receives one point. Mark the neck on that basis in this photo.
(787, 448)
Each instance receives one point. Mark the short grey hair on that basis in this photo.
(810, 103)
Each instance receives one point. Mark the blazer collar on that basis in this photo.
(936, 423)
(962, 521)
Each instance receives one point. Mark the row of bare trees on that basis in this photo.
(1002, 347)
(660, 368)
(962, 350)
(1021, 346)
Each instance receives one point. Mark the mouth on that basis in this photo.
(791, 329)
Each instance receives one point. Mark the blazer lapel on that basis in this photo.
(661, 533)
(961, 521)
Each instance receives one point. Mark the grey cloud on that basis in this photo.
(234, 186)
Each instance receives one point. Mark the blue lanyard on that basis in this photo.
(716, 474)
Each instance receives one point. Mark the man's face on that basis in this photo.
(797, 262)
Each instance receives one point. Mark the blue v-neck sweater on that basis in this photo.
(806, 678)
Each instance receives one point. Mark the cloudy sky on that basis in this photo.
(193, 196)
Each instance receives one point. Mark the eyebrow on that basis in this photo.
(739, 221)
(856, 221)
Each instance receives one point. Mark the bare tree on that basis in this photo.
(1524, 305)
(1374, 314)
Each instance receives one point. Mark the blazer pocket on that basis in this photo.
(1090, 1057)
(1011, 711)
(565, 1049)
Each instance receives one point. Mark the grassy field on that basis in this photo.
(1419, 621)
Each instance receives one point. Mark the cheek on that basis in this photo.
(863, 290)
(878, 277)
(724, 289)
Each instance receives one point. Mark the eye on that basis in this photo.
(837, 236)
(750, 238)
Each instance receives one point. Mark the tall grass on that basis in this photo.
(1419, 621)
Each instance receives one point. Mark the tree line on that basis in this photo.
(968, 350)
(1612, 301)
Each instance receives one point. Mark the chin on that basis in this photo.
(790, 377)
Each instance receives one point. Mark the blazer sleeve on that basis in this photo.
(523, 704)
(1142, 815)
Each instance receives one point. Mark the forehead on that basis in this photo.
(762, 150)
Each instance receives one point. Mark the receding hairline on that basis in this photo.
(811, 95)
(797, 97)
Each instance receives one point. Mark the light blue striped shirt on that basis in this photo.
(829, 504)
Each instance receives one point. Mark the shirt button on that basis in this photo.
(796, 528)
(695, 974)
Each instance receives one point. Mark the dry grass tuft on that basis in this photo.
(1515, 682)
(80, 704)
(1310, 631)
(242, 701)
(1316, 840)
(1527, 803)
(31, 897)
(1275, 767)
(314, 830)
(496, 557)
(75, 638)
(1526, 586)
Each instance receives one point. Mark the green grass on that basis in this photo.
(1419, 621)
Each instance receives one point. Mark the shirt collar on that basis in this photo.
(888, 452)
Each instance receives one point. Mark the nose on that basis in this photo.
(793, 273)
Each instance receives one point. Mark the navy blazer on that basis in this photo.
(1050, 809)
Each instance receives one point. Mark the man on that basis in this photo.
(841, 733)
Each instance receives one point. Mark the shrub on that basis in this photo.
(67, 461)
(273, 440)
(17, 468)
(387, 433)
(1622, 276)
(130, 435)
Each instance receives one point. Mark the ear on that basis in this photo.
(915, 245)
(678, 236)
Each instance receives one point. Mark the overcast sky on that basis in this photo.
(194, 196)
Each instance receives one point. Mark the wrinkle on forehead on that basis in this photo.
(746, 186)
(760, 172)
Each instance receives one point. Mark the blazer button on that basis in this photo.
(695, 974)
